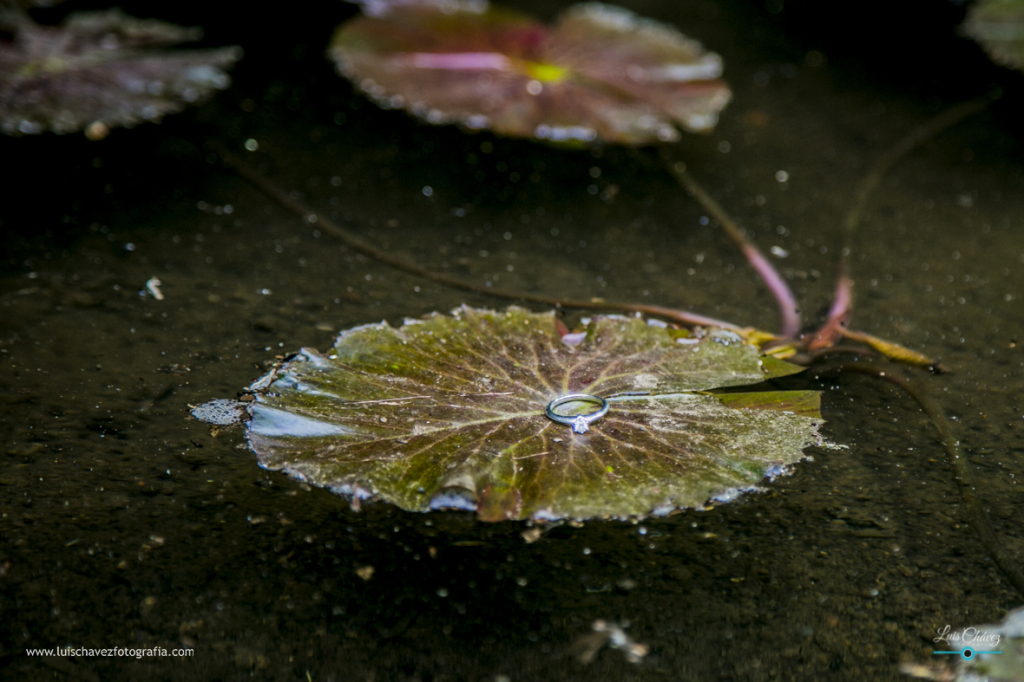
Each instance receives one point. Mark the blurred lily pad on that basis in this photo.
(449, 412)
(600, 72)
(999, 26)
(99, 70)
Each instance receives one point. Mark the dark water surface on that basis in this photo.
(125, 523)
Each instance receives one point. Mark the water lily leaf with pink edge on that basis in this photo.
(600, 72)
(99, 70)
(999, 26)
(449, 412)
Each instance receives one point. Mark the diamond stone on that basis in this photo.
(580, 425)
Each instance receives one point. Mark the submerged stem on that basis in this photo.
(842, 305)
(361, 245)
(915, 137)
(789, 310)
(961, 470)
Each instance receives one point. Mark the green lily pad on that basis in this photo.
(600, 72)
(449, 412)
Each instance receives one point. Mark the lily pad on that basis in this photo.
(449, 412)
(599, 72)
(999, 26)
(99, 70)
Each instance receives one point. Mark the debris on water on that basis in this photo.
(147, 605)
(221, 412)
(153, 287)
(626, 584)
(532, 535)
(611, 634)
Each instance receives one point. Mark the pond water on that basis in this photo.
(125, 523)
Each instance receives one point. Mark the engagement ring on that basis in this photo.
(579, 422)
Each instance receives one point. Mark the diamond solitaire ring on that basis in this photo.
(580, 423)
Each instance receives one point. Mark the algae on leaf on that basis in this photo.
(449, 412)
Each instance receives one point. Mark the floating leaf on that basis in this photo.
(599, 72)
(449, 411)
(98, 71)
(999, 26)
(806, 403)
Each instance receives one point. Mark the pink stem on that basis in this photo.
(788, 308)
(838, 315)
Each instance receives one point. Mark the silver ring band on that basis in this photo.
(579, 422)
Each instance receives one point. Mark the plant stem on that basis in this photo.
(842, 305)
(961, 467)
(789, 310)
(361, 245)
